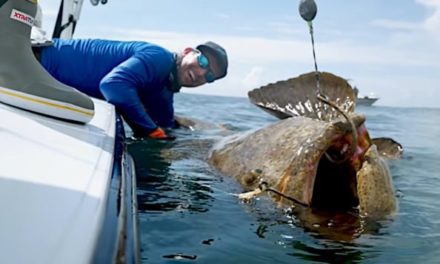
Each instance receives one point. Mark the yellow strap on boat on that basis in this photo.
(40, 101)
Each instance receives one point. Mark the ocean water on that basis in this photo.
(188, 212)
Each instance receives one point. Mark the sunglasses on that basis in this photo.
(204, 64)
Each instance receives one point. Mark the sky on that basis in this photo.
(386, 48)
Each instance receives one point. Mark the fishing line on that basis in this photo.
(317, 75)
(308, 11)
(264, 186)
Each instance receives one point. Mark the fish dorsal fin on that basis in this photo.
(297, 97)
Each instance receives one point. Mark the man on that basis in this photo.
(139, 78)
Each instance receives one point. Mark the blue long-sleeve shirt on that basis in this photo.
(134, 76)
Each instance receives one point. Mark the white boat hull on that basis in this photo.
(55, 182)
(366, 101)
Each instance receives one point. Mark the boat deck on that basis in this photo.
(54, 182)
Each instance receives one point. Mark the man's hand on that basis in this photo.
(158, 133)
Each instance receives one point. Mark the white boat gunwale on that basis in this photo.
(119, 239)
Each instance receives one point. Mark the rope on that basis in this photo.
(323, 98)
(264, 186)
(317, 76)
(349, 120)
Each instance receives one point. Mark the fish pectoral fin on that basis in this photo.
(388, 147)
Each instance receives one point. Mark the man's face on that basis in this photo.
(196, 68)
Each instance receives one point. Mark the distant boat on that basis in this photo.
(366, 100)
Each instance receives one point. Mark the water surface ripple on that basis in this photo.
(188, 211)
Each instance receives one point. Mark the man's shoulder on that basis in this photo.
(157, 57)
(150, 49)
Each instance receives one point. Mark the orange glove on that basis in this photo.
(158, 133)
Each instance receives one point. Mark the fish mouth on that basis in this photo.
(334, 183)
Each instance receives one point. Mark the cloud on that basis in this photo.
(432, 23)
(395, 25)
(253, 78)
(394, 65)
(398, 90)
(383, 67)
(261, 50)
(429, 27)
(285, 28)
(434, 3)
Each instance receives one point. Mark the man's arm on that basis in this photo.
(119, 87)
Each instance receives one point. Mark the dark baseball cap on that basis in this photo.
(219, 53)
